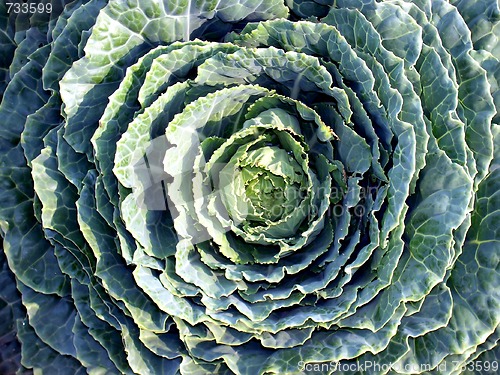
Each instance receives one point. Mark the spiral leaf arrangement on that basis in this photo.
(220, 187)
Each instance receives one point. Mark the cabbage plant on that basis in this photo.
(249, 187)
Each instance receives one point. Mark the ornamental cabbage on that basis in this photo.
(249, 187)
